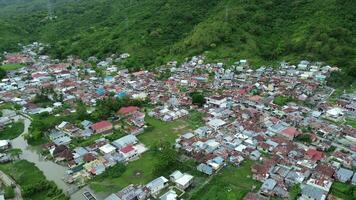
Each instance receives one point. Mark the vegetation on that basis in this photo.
(294, 192)
(9, 67)
(9, 192)
(305, 138)
(113, 172)
(198, 98)
(156, 31)
(2, 73)
(351, 122)
(282, 100)
(343, 190)
(12, 131)
(32, 181)
(230, 183)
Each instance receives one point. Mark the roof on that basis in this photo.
(170, 195)
(290, 132)
(112, 197)
(108, 148)
(315, 154)
(124, 141)
(127, 149)
(157, 182)
(176, 175)
(100, 125)
(184, 180)
(313, 192)
(128, 109)
(269, 184)
(344, 174)
(216, 123)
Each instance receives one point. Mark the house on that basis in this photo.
(343, 175)
(129, 152)
(353, 180)
(4, 144)
(334, 114)
(206, 169)
(314, 155)
(255, 155)
(183, 181)
(170, 195)
(268, 185)
(107, 149)
(313, 193)
(254, 196)
(103, 127)
(289, 133)
(216, 101)
(131, 192)
(157, 185)
(124, 141)
(126, 111)
(216, 123)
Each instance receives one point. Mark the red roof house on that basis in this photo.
(289, 133)
(102, 127)
(315, 154)
(128, 110)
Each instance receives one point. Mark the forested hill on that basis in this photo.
(154, 31)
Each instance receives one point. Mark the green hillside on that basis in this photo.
(154, 31)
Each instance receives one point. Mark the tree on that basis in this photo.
(2, 73)
(167, 157)
(198, 98)
(15, 153)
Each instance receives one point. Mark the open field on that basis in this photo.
(32, 181)
(230, 183)
(9, 67)
(12, 131)
(141, 170)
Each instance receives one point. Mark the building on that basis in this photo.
(157, 185)
(103, 127)
(124, 141)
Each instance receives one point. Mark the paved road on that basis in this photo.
(8, 181)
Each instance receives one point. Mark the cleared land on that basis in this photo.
(9, 67)
(12, 131)
(230, 183)
(141, 170)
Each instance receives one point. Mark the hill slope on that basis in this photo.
(155, 31)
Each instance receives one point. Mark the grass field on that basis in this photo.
(163, 131)
(12, 131)
(27, 175)
(9, 67)
(141, 170)
(343, 190)
(138, 172)
(230, 183)
(351, 122)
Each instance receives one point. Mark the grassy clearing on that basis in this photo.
(9, 67)
(28, 176)
(141, 170)
(12, 131)
(351, 122)
(163, 131)
(230, 183)
(343, 190)
(138, 172)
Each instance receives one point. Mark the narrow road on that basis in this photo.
(8, 181)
